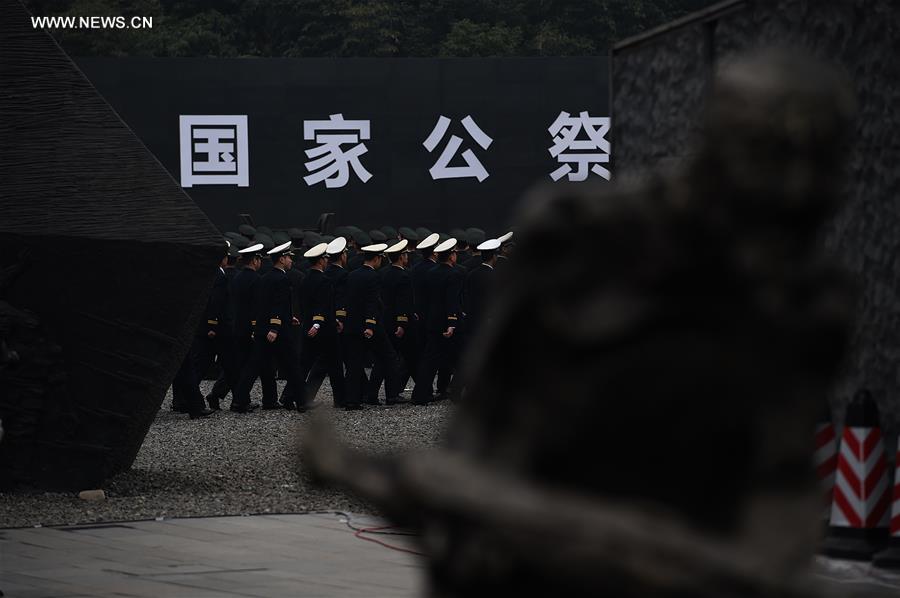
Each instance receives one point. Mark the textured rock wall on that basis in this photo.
(658, 86)
(105, 265)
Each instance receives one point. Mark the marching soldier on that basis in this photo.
(241, 296)
(365, 331)
(441, 287)
(318, 325)
(506, 247)
(476, 290)
(273, 342)
(215, 339)
(400, 322)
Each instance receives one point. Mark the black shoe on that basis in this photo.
(178, 408)
(421, 401)
(371, 401)
(353, 407)
(213, 403)
(244, 408)
(393, 401)
(288, 404)
(202, 413)
(303, 408)
(273, 406)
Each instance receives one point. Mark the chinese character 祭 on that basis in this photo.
(568, 150)
(329, 162)
(473, 167)
(214, 150)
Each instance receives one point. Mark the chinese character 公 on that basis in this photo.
(473, 167)
(328, 162)
(564, 130)
(214, 150)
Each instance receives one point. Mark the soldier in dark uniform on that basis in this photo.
(400, 321)
(295, 275)
(476, 238)
(442, 287)
(273, 343)
(478, 284)
(506, 247)
(215, 339)
(337, 273)
(365, 332)
(241, 293)
(318, 325)
(420, 299)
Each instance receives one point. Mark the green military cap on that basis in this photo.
(377, 236)
(422, 232)
(475, 236)
(362, 238)
(247, 230)
(408, 233)
(389, 231)
(266, 240)
(264, 230)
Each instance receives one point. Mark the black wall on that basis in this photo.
(513, 100)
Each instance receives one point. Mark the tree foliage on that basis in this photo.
(226, 28)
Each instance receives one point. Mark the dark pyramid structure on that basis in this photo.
(105, 265)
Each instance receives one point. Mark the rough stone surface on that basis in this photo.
(656, 87)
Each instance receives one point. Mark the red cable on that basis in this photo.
(364, 530)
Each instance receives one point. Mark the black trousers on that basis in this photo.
(380, 348)
(221, 350)
(186, 394)
(243, 346)
(408, 351)
(335, 359)
(320, 357)
(265, 357)
(440, 353)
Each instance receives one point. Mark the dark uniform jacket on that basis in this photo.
(218, 314)
(338, 277)
(475, 294)
(364, 307)
(397, 296)
(244, 299)
(296, 278)
(274, 302)
(443, 286)
(472, 263)
(317, 301)
(418, 274)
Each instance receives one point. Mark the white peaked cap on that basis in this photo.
(489, 245)
(316, 251)
(252, 249)
(505, 238)
(397, 247)
(429, 241)
(446, 245)
(284, 247)
(336, 246)
(376, 248)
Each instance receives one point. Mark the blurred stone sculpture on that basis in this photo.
(640, 416)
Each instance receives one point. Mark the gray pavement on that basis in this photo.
(264, 555)
(268, 556)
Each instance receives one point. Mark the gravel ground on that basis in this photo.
(231, 464)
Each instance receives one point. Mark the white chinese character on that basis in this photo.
(328, 162)
(214, 150)
(473, 167)
(565, 129)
